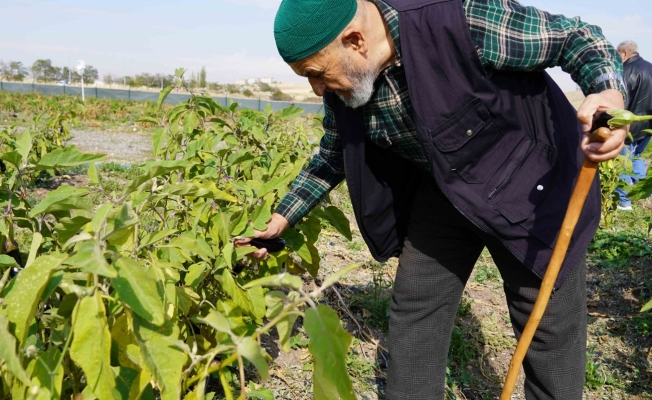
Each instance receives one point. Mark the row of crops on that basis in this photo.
(138, 290)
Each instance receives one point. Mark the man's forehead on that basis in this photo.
(316, 62)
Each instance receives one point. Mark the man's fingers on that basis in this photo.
(611, 148)
(259, 254)
(586, 112)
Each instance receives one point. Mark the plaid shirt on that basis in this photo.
(508, 36)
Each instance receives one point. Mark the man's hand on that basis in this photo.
(588, 111)
(275, 228)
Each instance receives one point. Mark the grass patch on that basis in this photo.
(374, 300)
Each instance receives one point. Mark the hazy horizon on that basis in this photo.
(233, 39)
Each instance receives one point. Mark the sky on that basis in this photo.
(231, 38)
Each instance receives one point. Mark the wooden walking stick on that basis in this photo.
(581, 190)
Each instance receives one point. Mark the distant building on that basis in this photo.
(241, 82)
(268, 81)
(251, 81)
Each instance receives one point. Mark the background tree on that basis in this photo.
(202, 77)
(44, 71)
(108, 79)
(90, 75)
(66, 74)
(13, 71)
(264, 87)
(278, 95)
(215, 86)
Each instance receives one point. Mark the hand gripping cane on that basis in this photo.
(581, 190)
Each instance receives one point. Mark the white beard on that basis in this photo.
(363, 83)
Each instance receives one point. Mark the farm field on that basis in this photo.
(241, 153)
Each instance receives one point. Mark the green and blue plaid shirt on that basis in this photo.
(508, 36)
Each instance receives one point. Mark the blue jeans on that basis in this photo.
(639, 167)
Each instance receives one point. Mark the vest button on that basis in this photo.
(469, 133)
(540, 188)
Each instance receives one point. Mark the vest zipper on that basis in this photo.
(519, 163)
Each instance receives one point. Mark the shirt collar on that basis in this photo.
(390, 15)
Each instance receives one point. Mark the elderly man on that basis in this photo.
(638, 77)
(451, 139)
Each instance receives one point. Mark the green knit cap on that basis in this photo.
(303, 27)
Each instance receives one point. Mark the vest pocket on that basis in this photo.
(469, 141)
(529, 184)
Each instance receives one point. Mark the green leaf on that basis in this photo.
(91, 345)
(8, 261)
(642, 189)
(328, 346)
(190, 122)
(624, 117)
(158, 138)
(191, 246)
(195, 274)
(235, 292)
(262, 215)
(336, 217)
(227, 253)
(297, 242)
(124, 379)
(48, 373)
(261, 394)
(8, 352)
(256, 297)
(274, 301)
(163, 95)
(24, 145)
(92, 174)
(239, 224)
(155, 169)
(152, 238)
(26, 292)
(12, 157)
(284, 329)
(62, 199)
(647, 307)
(99, 218)
(188, 189)
(282, 280)
(69, 227)
(67, 305)
(251, 350)
(334, 278)
(138, 290)
(160, 349)
(215, 320)
(91, 259)
(66, 157)
(289, 113)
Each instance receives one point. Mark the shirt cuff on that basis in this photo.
(292, 208)
(609, 80)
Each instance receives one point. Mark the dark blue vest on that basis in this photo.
(504, 147)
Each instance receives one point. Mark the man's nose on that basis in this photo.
(318, 85)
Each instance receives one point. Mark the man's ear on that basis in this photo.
(356, 40)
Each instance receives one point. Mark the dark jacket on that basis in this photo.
(638, 77)
(504, 147)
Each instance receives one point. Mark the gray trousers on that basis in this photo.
(440, 252)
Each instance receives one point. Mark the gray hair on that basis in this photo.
(628, 46)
